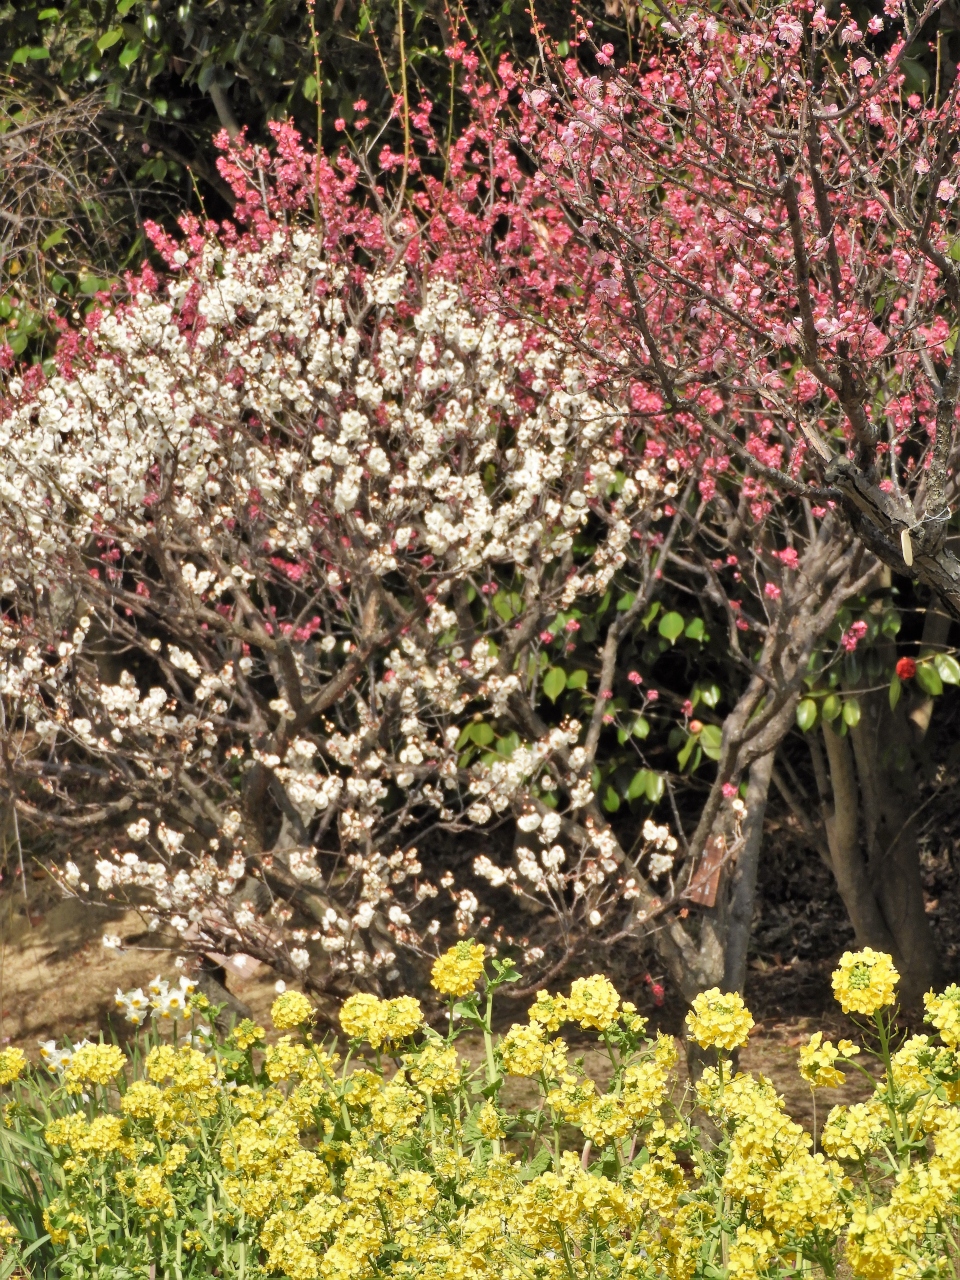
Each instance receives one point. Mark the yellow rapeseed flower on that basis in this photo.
(458, 970)
(379, 1022)
(865, 981)
(247, 1033)
(817, 1061)
(593, 1002)
(292, 1009)
(13, 1063)
(93, 1064)
(719, 1020)
(944, 1012)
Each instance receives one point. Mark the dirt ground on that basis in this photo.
(58, 980)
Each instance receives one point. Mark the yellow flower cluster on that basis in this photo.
(291, 1009)
(93, 1064)
(458, 970)
(865, 981)
(944, 1012)
(818, 1058)
(719, 1021)
(298, 1165)
(13, 1063)
(380, 1022)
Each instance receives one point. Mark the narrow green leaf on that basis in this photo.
(896, 688)
(611, 801)
(54, 238)
(655, 786)
(686, 751)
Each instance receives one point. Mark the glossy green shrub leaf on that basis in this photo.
(577, 679)
(711, 741)
(896, 689)
(851, 713)
(554, 683)
(806, 714)
(947, 668)
(831, 707)
(928, 678)
(671, 626)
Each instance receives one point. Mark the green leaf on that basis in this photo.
(806, 714)
(129, 53)
(649, 616)
(695, 629)
(686, 751)
(710, 695)
(482, 734)
(831, 708)
(655, 787)
(711, 740)
(541, 1162)
(53, 238)
(309, 88)
(948, 668)
(671, 626)
(891, 623)
(124, 7)
(33, 54)
(501, 603)
(624, 603)
(466, 735)
(160, 106)
(638, 784)
(45, 15)
(554, 683)
(577, 679)
(928, 678)
(641, 727)
(109, 39)
(851, 713)
(611, 801)
(896, 688)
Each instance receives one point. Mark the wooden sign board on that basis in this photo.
(705, 881)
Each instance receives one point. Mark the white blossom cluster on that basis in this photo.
(270, 539)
